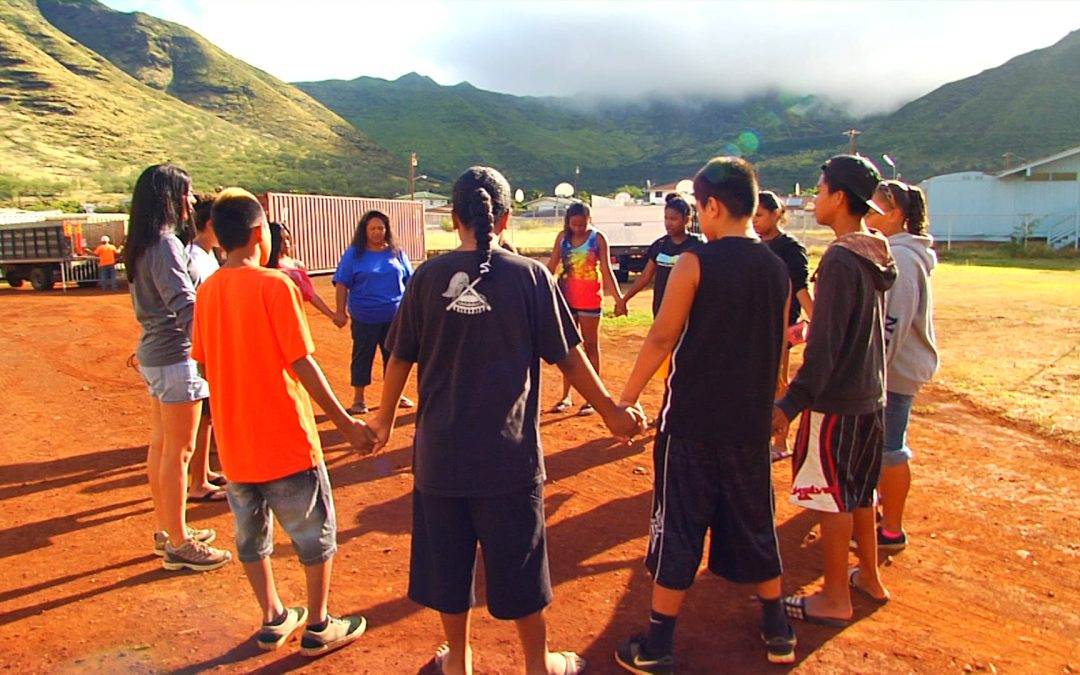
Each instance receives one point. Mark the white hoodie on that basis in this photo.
(911, 356)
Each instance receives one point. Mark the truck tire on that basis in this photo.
(622, 275)
(15, 282)
(41, 278)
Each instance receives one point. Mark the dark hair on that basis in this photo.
(359, 241)
(677, 203)
(201, 216)
(856, 205)
(771, 202)
(235, 214)
(157, 207)
(575, 209)
(481, 198)
(911, 200)
(730, 181)
(275, 245)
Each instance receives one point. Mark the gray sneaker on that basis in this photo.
(337, 634)
(272, 636)
(194, 555)
(161, 536)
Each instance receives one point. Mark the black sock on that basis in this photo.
(661, 638)
(318, 627)
(280, 618)
(773, 618)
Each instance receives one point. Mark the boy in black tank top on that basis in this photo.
(723, 319)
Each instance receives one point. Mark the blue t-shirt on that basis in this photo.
(376, 281)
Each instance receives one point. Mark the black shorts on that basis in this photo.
(837, 461)
(513, 539)
(703, 487)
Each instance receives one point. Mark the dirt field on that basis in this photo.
(990, 581)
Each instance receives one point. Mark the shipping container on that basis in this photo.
(322, 227)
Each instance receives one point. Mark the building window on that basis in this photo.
(1052, 176)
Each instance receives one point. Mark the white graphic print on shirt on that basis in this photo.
(466, 299)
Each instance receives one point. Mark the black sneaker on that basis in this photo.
(630, 654)
(781, 648)
(336, 634)
(886, 543)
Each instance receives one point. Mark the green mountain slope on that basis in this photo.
(70, 117)
(1026, 107)
(540, 141)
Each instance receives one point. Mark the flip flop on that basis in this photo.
(795, 608)
(441, 654)
(212, 496)
(358, 409)
(406, 402)
(854, 572)
(561, 406)
(219, 480)
(572, 663)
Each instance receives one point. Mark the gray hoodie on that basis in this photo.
(911, 356)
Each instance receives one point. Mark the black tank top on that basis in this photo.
(724, 367)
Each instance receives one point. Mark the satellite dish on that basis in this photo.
(623, 198)
(519, 195)
(685, 187)
(564, 190)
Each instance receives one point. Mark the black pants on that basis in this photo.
(365, 337)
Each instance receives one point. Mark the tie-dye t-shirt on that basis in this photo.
(579, 280)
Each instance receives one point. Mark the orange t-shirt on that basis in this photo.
(249, 328)
(106, 254)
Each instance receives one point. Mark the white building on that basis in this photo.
(657, 194)
(1039, 200)
(431, 200)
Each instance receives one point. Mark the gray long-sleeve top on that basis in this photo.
(163, 296)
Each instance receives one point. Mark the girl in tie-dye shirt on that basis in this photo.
(582, 264)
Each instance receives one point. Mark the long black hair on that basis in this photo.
(481, 198)
(575, 209)
(911, 200)
(359, 242)
(275, 244)
(158, 206)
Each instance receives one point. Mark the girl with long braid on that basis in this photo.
(477, 321)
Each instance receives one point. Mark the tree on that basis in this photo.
(634, 191)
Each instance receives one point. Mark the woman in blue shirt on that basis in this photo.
(371, 276)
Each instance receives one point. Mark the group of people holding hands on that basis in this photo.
(477, 321)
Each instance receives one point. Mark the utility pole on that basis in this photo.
(412, 175)
(851, 134)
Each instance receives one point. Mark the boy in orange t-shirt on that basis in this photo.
(251, 334)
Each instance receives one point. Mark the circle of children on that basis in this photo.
(478, 320)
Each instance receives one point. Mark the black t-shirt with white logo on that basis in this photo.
(665, 253)
(724, 368)
(477, 345)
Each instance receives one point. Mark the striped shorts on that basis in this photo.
(837, 460)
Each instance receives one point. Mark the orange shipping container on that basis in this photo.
(322, 227)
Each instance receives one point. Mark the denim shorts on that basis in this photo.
(894, 451)
(176, 383)
(303, 505)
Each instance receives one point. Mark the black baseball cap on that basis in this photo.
(856, 173)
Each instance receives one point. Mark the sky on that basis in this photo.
(869, 56)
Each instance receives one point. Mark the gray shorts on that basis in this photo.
(175, 383)
(302, 504)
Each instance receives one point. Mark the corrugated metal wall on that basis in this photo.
(322, 227)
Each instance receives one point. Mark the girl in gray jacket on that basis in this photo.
(911, 357)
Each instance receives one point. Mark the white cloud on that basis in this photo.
(873, 55)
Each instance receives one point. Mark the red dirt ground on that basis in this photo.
(989, 582)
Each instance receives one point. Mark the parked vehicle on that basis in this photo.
(629, 229)
(53, 250)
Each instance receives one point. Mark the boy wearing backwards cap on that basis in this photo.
(840, 391)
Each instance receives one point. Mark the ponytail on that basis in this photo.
(483, 223)
(915, 214)
(481, 197)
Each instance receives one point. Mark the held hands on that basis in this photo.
(797, 332)
(627, 421)
(779, 420)
(380, 430)
(621, 308)
(340, 319)
(359, 435)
